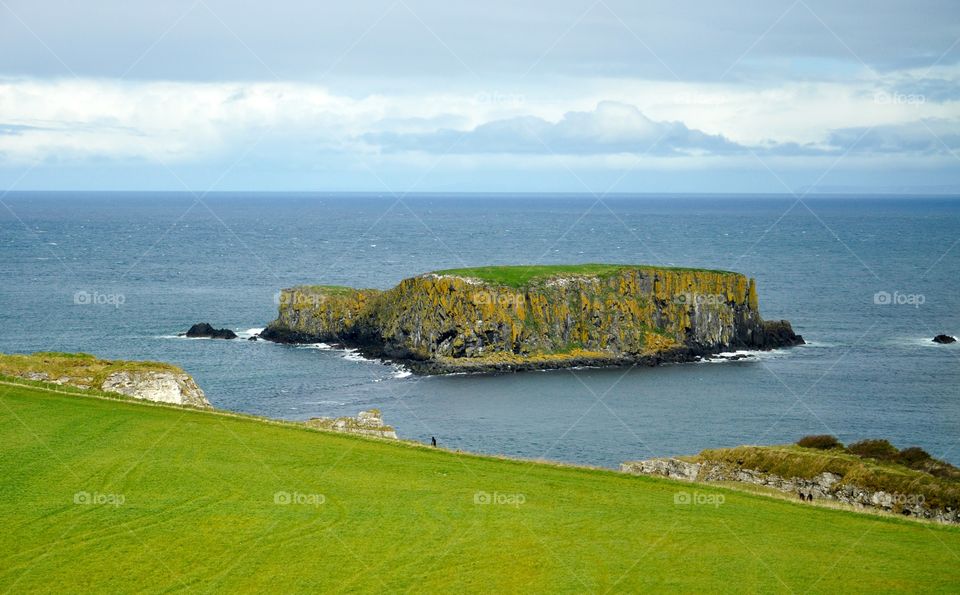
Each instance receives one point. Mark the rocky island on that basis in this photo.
(512, 318)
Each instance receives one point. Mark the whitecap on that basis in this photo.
(354, 356)
(249, 333)
(320, 346)
(925, 342)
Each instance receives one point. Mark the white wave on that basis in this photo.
(816, 344)
(320, 346)
(354, 356)
(401, 372)
(248, 333)
(925, 342)
(742, 355)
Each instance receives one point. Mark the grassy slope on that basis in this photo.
(199, 514)
(519, 276)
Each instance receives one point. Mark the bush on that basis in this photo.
(913, 456)
(878, 449)
(821, 441)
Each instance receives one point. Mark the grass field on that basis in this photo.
(120, 496)
(521, 275)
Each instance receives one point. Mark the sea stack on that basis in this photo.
(520, 318)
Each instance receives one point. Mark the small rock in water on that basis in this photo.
(944, 339)
(204, 329)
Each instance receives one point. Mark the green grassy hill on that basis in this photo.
(111, 495)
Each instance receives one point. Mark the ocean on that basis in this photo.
(868, 281)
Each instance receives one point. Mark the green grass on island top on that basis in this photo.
(327, 289)
(520, 275)
(114, 496)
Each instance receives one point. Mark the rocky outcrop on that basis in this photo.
(150, 381)
(160, 387)
(672, 468)
(367, 423)
(203, 330)
(450, 322)
(853, 489)
(944, 339)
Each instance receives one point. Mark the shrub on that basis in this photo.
(878, 449)
(821, 441)
(913, 456)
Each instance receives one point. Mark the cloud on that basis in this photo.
(928, 136)
(296, 126)
(394, 43)
(16, 129)
(610, 128)
(614, 128)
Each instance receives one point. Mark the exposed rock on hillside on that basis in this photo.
(150, 381)
(161, 387)
(368, 423)
(817, 475)
(558, 317)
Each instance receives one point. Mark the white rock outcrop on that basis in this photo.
(157, 386)
(672, 468)
(367, 423)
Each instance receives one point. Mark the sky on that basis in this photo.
(400, 96)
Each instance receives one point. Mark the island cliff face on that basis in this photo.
(513, 318)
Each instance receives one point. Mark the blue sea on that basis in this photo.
(868, 281)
